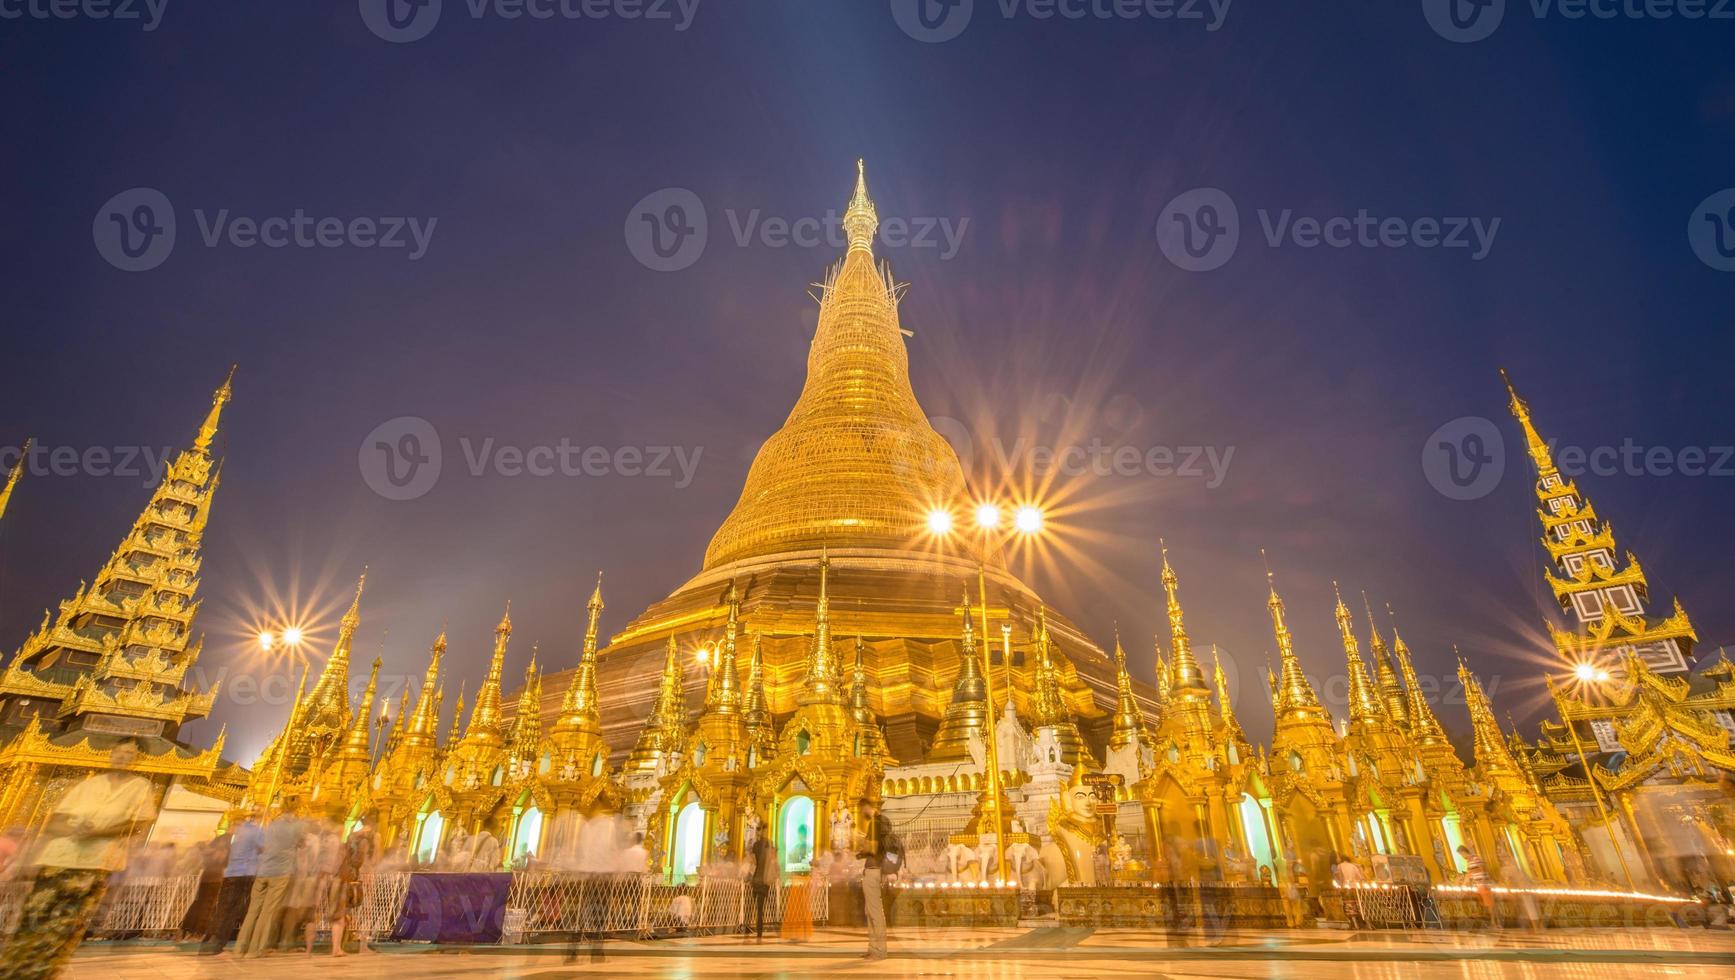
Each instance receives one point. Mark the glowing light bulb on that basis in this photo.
(1028, 520)
(1585, 672)
(292, 636)
(987, 515)
(940, 522)
(266, 640)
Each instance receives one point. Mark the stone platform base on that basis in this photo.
(1466, 911)
(1228, 906)
(916, 906)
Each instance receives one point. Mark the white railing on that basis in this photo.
(147, 905)
(382, 899)
(642, 905)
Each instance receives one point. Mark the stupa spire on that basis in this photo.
(330, 697)
(219, 398)
(1385, 676)
(1224, 707)
(856, 457)
(1364, 706)
(485, 717)
(1493, 755)
(1424, 726)
(1186, 678)
(424, 723)
(723, 696)
(666, 729)
(822, 683)
(1129, 722)
(579, 711)
(968, 712)
(755, 709)
(12, 478)
(1294, 695)
(1540, 453)
(355, 745)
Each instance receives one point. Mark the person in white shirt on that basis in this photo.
(84, 841)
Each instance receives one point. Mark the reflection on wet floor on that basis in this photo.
(1048, 953)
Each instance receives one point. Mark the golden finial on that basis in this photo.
(505, 625)
(12, 479)
(1540, 453)
(861, 219)
(352, 618)
(208, 430)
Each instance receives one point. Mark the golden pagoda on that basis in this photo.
(12, 478)
(473, 768)
(854, 470)
(113, 661)
(1642, 753)
(404, 779)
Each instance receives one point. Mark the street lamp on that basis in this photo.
(1026, 521)
(1591, 674)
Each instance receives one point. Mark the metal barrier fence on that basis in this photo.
(382, 898)
(147, 905)
(641, 905)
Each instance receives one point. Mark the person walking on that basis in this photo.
(879, 855)
(359, 854)
(213, 858)
(85, 841)
(764, 879)
(238, 874)
(1476, 874)
(259, 931)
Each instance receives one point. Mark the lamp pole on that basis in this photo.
(1595, 794)
(993, 739)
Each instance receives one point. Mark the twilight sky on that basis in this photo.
(1034, 160)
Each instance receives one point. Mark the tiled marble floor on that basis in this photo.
(1103, 954)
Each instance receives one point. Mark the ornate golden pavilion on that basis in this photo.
(113, 661)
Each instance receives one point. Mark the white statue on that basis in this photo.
(987, 861)
(1025, 864)
(961, 863)
(484, 852)
(750, 831)
(842, 829)
(1012, 743)
(977, 746)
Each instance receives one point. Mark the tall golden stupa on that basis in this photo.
(853, 472)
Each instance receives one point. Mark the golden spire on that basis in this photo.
(1424, 726)
(1186, 678)
(968, 711)
(1493, 755)
(485, 717)
(1391, 692)
(424, 722)
(1047, 706)
(723, 695)
(1540, 454)
(666, 730)
(856, 463)
(12, 478)
(861, 220)
(1295, 697)
(871, 741)
(1129, 722)
(756, 711)
(331, 692)
(821, 685)
(1230, 724)
(452, 735)
(1163, 675)
(527, 730)
(355, 745)
(208, 429)
(579, 710)
(1364, 706)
